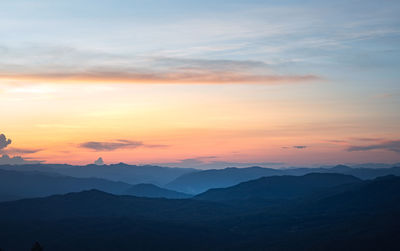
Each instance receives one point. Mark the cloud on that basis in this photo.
(295, 147)
(5, 159)
(300, 147)
(13, 150)
(117, 144)
(84, 66)
(111, 146)
(4, 142)
(366, 139)
(182, 76)
(336, 141)
(393, 146)
(99, 161)
(16, 160)
(156, 146)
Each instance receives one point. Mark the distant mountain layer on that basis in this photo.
(117, 172)
(278, 187)
(362, 215)
(201, 181)
(359, 172)
(188, 180)
(153, 191)
(18, 185)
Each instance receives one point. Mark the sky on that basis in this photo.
(186, 83)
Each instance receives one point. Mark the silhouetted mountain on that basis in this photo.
(117, 172)
(201, 181)
(340, 169)
(359, 172)
(368, 195)
(198, 182)
(361, 216)
(96, 203)
(193, 181)
(153, 191)
(278, 187)
(18, 185)
(371, 173)
(94, 220)
(374, 165)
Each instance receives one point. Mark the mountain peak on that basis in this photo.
(341, 168)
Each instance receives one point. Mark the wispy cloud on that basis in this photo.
(117, 144)
(75, 65)
(393, 146)
(13, 150)
(295, 147)
(335, 141)
(185, 76)
(300, 147)
(366, 139)
(111, 146)
(155, 145)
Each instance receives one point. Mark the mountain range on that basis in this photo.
(23, 184)
(153, 191)
(201, 181)
(192, 181)
(18, 185)
(131, 174)
(319, 212)
(278, 187)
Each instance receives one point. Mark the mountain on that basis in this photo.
(198, 182)
(278, 187)
(369, 172)
(17, 185)
(194, 181)
(96, 203)
(375, 165)
(95, 220)
(117, 172)
(153, 191)
(201, 181)
(361, 216)
(362, 196)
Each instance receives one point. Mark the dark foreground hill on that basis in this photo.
(363, 215)
(153, 191)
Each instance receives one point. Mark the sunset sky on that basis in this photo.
(186, 83)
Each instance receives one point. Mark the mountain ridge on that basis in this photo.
(365, 216)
